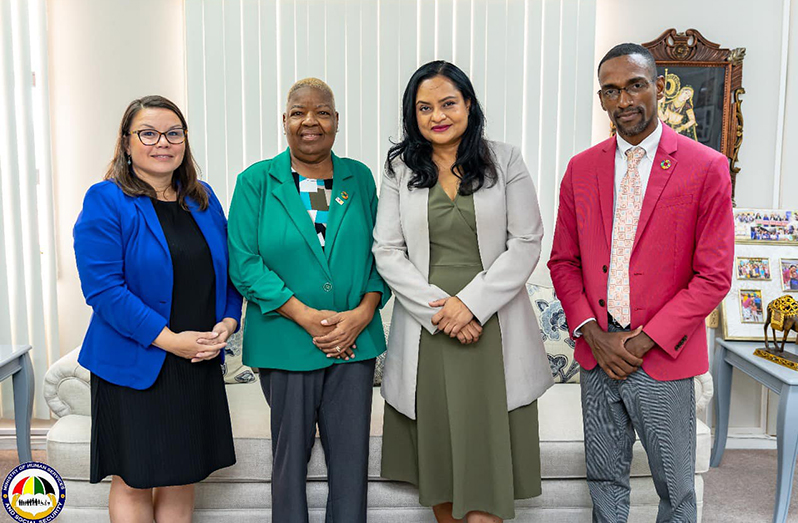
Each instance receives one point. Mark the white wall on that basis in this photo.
(757, 26)
(789, 174)
(103, 54)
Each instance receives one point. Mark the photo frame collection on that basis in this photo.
(765, 268)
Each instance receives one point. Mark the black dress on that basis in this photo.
(177, 431)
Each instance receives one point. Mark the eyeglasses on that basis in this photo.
(152, 137)
(613, 93)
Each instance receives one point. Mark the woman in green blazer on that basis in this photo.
(300, 236)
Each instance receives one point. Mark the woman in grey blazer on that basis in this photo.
(458, 234)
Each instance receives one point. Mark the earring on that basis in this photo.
(129, 162)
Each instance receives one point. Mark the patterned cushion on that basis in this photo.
(380, 366)
(554, 330)
(378, 369)
(233, 368)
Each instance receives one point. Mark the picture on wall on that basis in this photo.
(693, 102)
(751, 306)
(703, 89)
(789, 274)
(752, 268)
(765, 226)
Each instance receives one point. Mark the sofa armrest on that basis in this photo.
(704, 390)
(67, 388)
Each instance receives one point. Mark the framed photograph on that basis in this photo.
(743, 311)
(765, 226)
(789, 274)
(750, 301)
(703, 86)
(752, 268)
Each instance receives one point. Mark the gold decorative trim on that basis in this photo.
(738, 135)
(737, 55)
(778, 360)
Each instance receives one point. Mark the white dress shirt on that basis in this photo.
(650, 144)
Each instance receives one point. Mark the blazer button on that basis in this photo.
(601, 303)
(327, 287)
(604, 269)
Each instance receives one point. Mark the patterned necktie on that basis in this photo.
(624, 227)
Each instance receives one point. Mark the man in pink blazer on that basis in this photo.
(642, 253)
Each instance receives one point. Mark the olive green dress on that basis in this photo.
(464, 447)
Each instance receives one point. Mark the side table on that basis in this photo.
(782, 381)
(15, 362)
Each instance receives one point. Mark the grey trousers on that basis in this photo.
(338, 398)
(663, 414)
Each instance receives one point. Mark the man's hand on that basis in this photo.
(640, 344)
(609, 350)
(452, 317)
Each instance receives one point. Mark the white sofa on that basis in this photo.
(241, 493)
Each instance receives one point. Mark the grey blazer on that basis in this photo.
(509, 231)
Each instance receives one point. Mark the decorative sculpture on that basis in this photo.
(782, 316)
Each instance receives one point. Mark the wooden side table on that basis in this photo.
(15, 362)
(782, 381)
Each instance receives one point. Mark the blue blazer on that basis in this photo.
(126, 275)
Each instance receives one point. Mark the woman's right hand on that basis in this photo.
(187, 344)
(470, 333)
(311, 322)
(310, 319)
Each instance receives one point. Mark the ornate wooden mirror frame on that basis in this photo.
(695, 70)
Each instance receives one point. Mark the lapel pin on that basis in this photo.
(339, 201)
(344, 195)
(666, 164)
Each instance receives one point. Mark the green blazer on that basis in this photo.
(275, 254)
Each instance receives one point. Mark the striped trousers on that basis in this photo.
(663, 414)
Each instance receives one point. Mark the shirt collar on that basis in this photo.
(650, 144)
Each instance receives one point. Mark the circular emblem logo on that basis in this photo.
(33, 491)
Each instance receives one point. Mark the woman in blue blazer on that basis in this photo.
(151, 250)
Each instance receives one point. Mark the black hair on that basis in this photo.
(475, 165)
(630, 49)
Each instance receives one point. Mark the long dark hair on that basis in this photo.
(475, 165)
(185, 180)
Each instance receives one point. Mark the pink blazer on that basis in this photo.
(681, 264)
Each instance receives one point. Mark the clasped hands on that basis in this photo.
(197, 346)
(335, 333)
(456, 320)
(619, 354)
